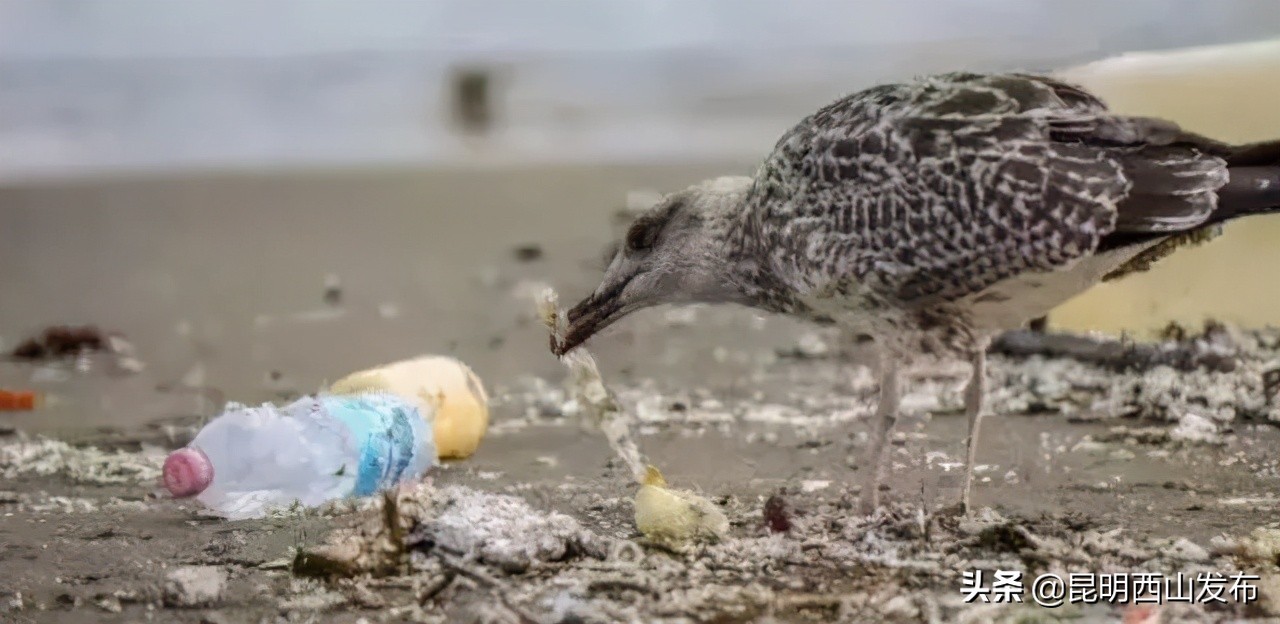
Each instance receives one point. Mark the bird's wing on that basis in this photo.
(934, 190)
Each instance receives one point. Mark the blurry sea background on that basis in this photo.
(92, 88)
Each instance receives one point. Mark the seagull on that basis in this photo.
(931, 216)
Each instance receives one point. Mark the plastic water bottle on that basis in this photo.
(251, 460)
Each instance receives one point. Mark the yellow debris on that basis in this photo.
(676, 516)
(445, 390)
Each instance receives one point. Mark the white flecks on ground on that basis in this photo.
(194, 586)
(505, 531)
(1260, 546)
(86, 465)
(812, 345)
(388, 310)
(1195, 429)
(902, 564)
(813, 485)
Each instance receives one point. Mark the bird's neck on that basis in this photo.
(748, 263)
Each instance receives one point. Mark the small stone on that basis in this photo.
(1269, 594)
(332, 290)
(1187, 550)
(1271, 386)
(194, 586)
(1263, 545)
(528, 253)
(108, 603)
(1194, 429)
(777, 514)
(812, 345)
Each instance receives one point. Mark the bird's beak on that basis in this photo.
(593, 314)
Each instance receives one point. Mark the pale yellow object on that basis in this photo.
(676, 517)
(1230, 93)
(440, 385)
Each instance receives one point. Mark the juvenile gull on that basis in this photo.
(933, 215)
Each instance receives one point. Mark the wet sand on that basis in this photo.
(219, 283)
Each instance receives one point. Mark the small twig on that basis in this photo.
(621, 585)
(434, 589)
(498, 587)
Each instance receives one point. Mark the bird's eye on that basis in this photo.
(643, 234)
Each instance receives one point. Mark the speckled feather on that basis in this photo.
(903, 203)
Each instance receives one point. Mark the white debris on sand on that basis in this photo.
(1260, 546)
(1022, 385)
(504, 531)
(752, 574)
(43, 456)
(1195, 429)
(42, 502)
(194, 586)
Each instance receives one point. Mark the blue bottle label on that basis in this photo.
(386, 429)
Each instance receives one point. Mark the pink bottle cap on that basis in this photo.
(187, 472)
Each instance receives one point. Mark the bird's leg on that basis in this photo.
(973, 395)
(878, 443)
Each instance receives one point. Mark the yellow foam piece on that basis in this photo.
(445, 390)
(1230, 93)
(674, 516)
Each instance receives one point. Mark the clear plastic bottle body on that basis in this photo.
(310, 452)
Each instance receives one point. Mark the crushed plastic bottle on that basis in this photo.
(251, 460)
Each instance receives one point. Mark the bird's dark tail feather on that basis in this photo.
(1251, 190)
(1254, 185)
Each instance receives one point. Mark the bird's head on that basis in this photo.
(674, 253)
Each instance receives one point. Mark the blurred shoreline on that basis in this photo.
(147, 87)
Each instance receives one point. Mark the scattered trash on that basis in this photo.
(61, 341)
(1261, 546)
(375, 545)
(1195, 429)
(504, 531)
(441, 386)
(194, 586)
(676, 517)
(589, 390)
(42, 456)
(666, 516)
(20, 400)
(252, 460)
(493, 529)
(64, 341)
